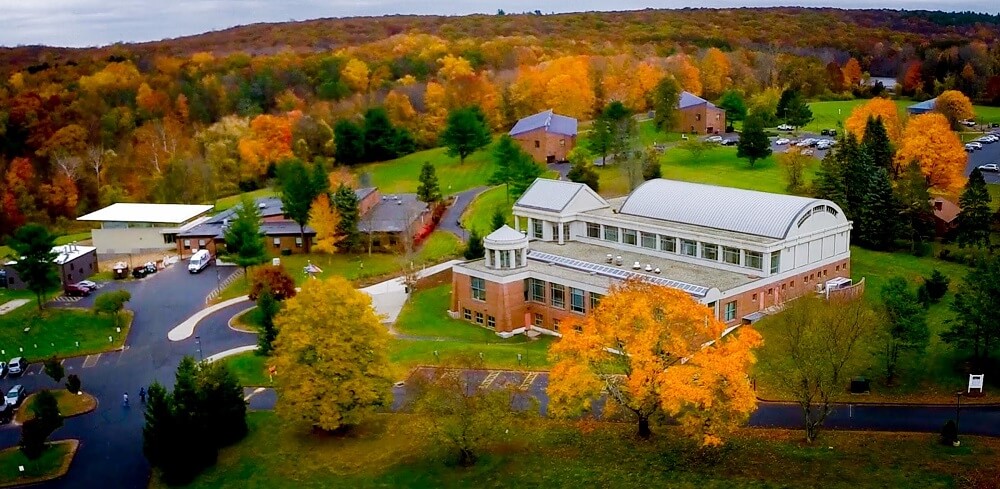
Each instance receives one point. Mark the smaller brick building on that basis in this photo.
(548, 137)
(73, 264)
(699, 116)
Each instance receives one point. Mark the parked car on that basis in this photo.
(6, 413)
(714, 139)
(75, 290)
(3, 369)
(139, 272)
(17, 366)
(781, 141)
(969, 148)
(975, 145)
(729, 142)
(967, 122)
(990, 167)
(87, 284)
(823, 145)
(785, 127)
(151, 267)
(15, 395)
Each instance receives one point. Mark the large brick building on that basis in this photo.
(546, 136)
(699, 116)
(737, 251)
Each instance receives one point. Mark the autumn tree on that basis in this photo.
(665, 98)
(715, 71)
(466, 132)
(973, 221)
(325, 220)
(905, 325)
(429, 190)
(852, 73)
(813, 349)
(515, 169)
(753, 143)
(269, 141)
(244, 240)
(687, 74)
(655, 350)
(878, 108)
(331, 356)
(977, 299)
(794, 163)
(929, 140)
(274, 278)
(954, 106)
(34, 260)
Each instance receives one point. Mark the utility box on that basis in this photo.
(861, 385)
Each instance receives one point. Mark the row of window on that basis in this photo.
(276, 242)
(537, 226)
(535, 291)
(491, 322)
(686, 247)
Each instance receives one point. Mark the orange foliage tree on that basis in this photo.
(715, 71)
(912, 79)
(655, 350)
(929, 140)
(269, 141)
(275, 278)
(852, 73)
(876, 107)
(955, 106)
(686, 73)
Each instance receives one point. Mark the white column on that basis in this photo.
(531, 227)
(561, 237)
(496, 259)
(517, 223)
(487, 256)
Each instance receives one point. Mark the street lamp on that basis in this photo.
(958, 410)
(197, 340)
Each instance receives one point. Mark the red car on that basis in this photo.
(75, 290)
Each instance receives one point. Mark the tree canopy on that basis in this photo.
(34, 260)
(466, 132)
(244, 241)
(753, 144)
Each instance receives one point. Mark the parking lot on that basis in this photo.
(989, 154)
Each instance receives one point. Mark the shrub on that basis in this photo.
(34, 433)
(275, 278)
(936, 285)
(949, 433)
(54, 369)
(73, 383)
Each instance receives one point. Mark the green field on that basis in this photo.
(69, 404)
(830, 115)
(439, 246)
(228, 202)
(250, 368)
(479, 214)
(46, 467)
(402, 174)
(55, 331)
(397, 450)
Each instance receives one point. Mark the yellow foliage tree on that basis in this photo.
(356, 75)
(269, 140)
(955, 106)
(876, 107)
(330, 356)
(435, 114)
(687, 74)
(715, 71)
(655, 350)
(400, 110)
(325, 220)
(852, 72)
(453, 67)
(929, 140)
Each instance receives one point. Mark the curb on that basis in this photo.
(239, 315)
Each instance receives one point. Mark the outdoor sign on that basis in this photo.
(976, 382)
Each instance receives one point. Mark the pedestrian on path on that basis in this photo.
(142, 395)
(125, 400)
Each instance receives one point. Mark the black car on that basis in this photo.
(824, 132)
(6, 413)
(139, 272)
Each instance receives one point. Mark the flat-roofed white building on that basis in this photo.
(737, 251)
(141, 228)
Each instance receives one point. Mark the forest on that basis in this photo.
(196, 118)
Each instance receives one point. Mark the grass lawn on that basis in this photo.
(69, 404)
(717, 166)
(53, 463)
(394, 450)
(830, 115)
(250, 368)
(930, 377)
(224, 203)
(402, 174)
(439, 246)
(479, 214)
(55, 331)
(648, 134)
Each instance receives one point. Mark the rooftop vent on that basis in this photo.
(262, 205)
(610, 258)
(618, 260)
(656, 270)
(399, 202)
(649, 268)
(636, 266)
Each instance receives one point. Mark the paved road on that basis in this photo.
(561, 168)
(451, 220)
(110, 454)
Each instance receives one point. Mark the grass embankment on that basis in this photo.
(932, 376)
(230, 201)
(53, 463)
(56, 331)
(394, 450)
(403, 174)
(439, 246)
(69, 404)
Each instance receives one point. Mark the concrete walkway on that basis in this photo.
(230, 352)
(11, 305)
(389, 297)
(184, 330)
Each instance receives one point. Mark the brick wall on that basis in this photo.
(78, 269)
(779, 292)
(541, 144)
(700, 118)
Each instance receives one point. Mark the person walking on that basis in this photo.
(125, 400)
(142, 395)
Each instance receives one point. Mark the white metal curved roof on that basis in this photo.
(726, 208)
(506, 234)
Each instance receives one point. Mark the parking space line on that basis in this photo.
(489, 379)
(530, 379)
(91, 360)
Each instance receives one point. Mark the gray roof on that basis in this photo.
(284, 228)
(688, 99)
(552, 122)
(921, 107)
(361, 193)
(394, 213)
(267, 206)
(551, 195)
(505, 234)
(725, 208)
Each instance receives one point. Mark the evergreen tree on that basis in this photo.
(905, 324)
(429, 190)
(268, 308)
(877, 221)
(244, 242)
(45, 407)
(916, 212)
(466, 132)
(383, 141)
(798, 113)
(753, 144)
(222, 409)
(976, 302)
(853, 172)
(346, 202)
(876, 143)
(599, 142)
(474, 248)
(735, 106)
(666, 96)
(32, 245)
(786, 96)
(298, 190)
(349, 139)
(584, 173)
(829, 182)
(320, 180)
(160, 442)
(622, 127)
(651, 165)
(973, 221)
(515, 169)
(499, 219)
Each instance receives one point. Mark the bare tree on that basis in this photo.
(69, 165)
(812, 349)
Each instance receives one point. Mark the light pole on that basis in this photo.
(958, 410)
(197, 340)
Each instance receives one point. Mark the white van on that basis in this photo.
(199, 261)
